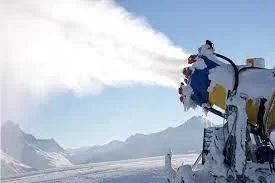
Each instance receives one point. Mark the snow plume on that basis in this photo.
(81, 46)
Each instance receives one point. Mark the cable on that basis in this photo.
(236, 83)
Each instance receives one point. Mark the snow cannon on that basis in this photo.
(211, 78)
(244, 95)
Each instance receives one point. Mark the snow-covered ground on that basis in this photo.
(145, 170)
(10, 166)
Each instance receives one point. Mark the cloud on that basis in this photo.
(81, 46)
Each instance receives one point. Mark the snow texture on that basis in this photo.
(254, 83)
(188, 103)
(199, 64)
(183, 173)
(135, 171)
(11, 166)
(214, 160)
(240, 133)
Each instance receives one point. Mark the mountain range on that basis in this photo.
(22, 152)
(186, 138)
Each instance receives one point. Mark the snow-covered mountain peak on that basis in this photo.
(9, 126)
(30, 151)
(196, 122)
(182, 139)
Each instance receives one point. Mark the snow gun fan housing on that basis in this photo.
(208, 81)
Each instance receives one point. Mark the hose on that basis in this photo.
(235, 87)
(236, 71)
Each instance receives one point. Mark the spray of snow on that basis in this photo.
(80, 46)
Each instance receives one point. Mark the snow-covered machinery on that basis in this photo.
(244, 95)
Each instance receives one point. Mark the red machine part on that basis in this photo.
(182, 99)
(192, 59)
(182, 96)
(187, 71)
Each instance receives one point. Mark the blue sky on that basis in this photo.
(238, 29)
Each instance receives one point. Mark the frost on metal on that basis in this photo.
(228, 153)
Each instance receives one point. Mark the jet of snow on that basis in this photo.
(80, 46)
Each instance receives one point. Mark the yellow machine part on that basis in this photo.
(252, 108)
(269, 116)
(218, 97)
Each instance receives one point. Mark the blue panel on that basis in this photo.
(200, 82)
